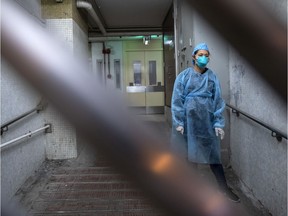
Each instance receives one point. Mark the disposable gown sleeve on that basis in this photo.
(177, 102)
(219, 105)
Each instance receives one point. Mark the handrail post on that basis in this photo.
(48, 129)
(276, 135)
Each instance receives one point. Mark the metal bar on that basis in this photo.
(254, 32)
(277, 132)
(38, 108)
(120, 35)
(29, 134)
(104, 120)
(18, 118)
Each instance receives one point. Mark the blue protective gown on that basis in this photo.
(198, 107)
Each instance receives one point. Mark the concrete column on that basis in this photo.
(65, 23)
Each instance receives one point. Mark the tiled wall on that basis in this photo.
(62, 30)
(62, 143)
(81, 48)
(65, 10)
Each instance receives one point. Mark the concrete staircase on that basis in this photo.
(83, 191)
(88, 186)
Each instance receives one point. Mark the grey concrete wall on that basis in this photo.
(258, 159)
(185, 32)
(31, 6)
(21, 159)
(191, 29)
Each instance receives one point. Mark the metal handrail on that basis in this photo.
(274, 132)
(46, 128)
(41, 106)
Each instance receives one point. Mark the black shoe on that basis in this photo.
(230, 195)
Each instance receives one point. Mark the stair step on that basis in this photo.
(103, 213)
(74, 186)
(93, 205)
(89, 178)
(88, 191)
(75, 195)
(84, 170)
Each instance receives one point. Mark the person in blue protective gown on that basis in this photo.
(197, 114)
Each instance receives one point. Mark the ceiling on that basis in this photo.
(128, 16)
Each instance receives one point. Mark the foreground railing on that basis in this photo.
(100, 118)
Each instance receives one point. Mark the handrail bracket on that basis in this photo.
(236, 112)
(276, 135)
(48, 129)
(4, 129)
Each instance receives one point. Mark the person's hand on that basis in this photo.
(221, 132)
(180, 129)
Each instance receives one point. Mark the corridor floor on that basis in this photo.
(86, 186)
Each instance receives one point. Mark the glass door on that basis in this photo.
(145, 81)
(155, 82)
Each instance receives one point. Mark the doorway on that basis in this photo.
(144, 78)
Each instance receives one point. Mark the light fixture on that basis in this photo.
(146, 39)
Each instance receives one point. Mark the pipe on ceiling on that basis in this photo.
(116, 38)
(120, 36)
(89, 8)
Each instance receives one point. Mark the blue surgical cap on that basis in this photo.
(200, 46)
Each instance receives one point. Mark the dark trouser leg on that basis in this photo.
(193, 165)
(218, 171)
